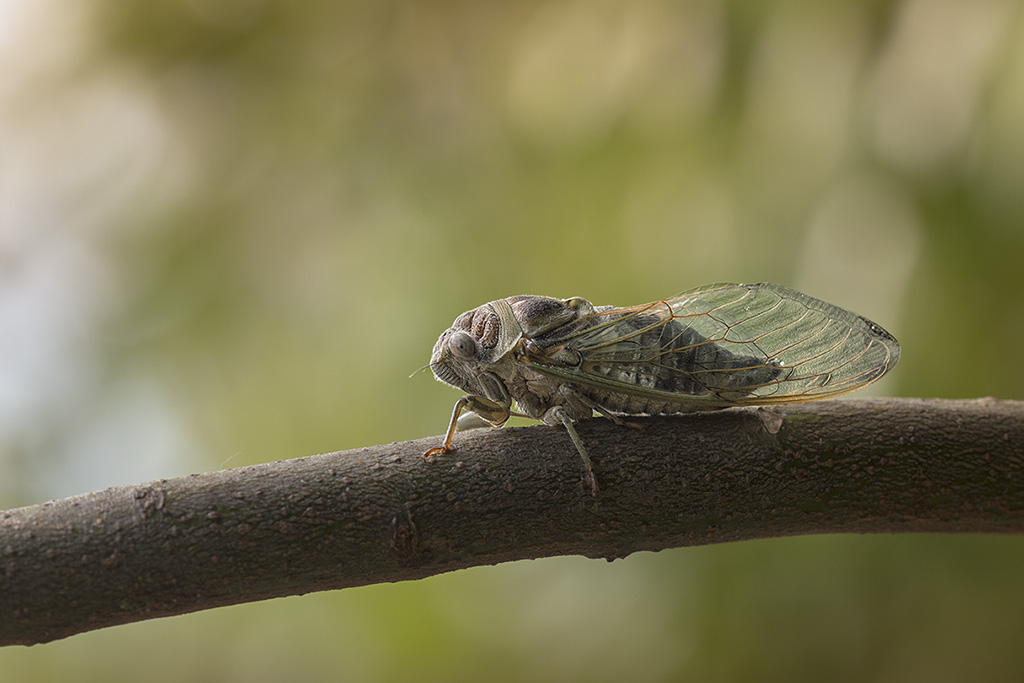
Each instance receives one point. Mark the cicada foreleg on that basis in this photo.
(491, 412)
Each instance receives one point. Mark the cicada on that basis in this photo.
(720, 345)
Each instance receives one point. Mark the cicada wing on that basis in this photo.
(822, 349)
(722, 344)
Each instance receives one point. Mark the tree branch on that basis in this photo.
(383, 514)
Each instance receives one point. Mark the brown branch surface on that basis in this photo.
(383, 514)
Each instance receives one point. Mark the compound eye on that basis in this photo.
(463, 345)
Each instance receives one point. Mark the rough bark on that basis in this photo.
(383, 514)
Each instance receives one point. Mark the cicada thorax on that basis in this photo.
(538, 315)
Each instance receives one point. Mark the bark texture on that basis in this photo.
(383, 514)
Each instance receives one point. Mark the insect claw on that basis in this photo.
(429, 455)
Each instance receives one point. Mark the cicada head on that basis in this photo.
(481, 339)
(476, 340)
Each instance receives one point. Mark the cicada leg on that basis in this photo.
(489, 411)
(588, 464)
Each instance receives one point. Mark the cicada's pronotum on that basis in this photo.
(716, 346)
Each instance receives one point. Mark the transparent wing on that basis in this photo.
(721, 344)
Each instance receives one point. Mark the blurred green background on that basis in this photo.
(230, 229)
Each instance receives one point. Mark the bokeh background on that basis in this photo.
(231, 229)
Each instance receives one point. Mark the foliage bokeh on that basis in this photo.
(230, 230)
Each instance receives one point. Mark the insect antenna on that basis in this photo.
(421, 369)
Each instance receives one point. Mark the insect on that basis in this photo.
(720, 345)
